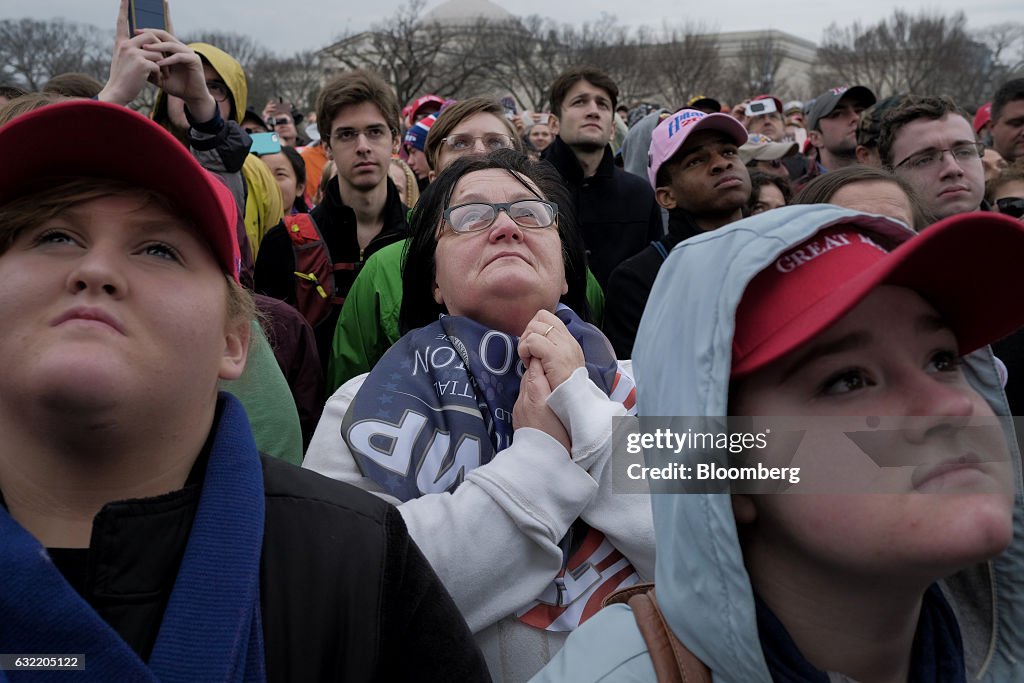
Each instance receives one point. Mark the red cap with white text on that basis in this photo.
(813, 285)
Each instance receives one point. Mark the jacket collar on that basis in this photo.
(561, 156)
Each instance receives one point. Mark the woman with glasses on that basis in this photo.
(489, 423)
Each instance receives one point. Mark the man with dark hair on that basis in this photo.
(699, 176)
(357, 112)
(615, 210)
(832, 120)
(929, 142)
(1008, 120)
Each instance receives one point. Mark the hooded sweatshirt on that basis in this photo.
(703, 588)
(260, 196)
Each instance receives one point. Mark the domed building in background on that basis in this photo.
(467, 13)
(458, 48)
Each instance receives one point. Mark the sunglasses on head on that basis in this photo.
(1011, 206)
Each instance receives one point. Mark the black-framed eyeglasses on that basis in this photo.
(218, 90)
(476, 216)
(464, 142)
(962, 154)
(279, 121)
(1011, 206)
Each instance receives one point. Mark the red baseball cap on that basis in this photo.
(983, 116)
(958, 265)
(421, 102)
(117, 143)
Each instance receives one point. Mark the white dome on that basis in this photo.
(466, 12)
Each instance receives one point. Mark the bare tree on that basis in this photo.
(295, 79)
(683, 64)
(244, 49)
(418, 56)
(923, 53)
(527, 56)
(32, 51)
(1006, 44)
(756, 69)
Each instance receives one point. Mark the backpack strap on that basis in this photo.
(673, 662)
(315, 293)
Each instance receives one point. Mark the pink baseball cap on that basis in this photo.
(117, 143)
(983, 116)
(671, 133)
(813, 285)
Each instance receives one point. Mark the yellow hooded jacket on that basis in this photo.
(263, 203)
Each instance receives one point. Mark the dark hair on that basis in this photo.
(299, 166)
(759, 179)
(1011, 91)
(912, 108)
(74, 85)
(1010, 174)
(821, 189)
(455, 114)
(355, 87)
(418, 267)
(591, 75)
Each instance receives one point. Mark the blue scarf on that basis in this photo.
(439, 404)
(937, 655)
(211, 629)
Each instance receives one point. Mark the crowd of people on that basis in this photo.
(338, 394)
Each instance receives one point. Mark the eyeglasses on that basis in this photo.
(963, 153)
(218, 90)
(1011, 206)
(279, 121)
(348, 136)
(527, 213)
(464, 142)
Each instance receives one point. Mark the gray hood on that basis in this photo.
(703, 587)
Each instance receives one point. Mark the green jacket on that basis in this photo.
(368, 324)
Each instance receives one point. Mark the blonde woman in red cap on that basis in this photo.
(142, 536)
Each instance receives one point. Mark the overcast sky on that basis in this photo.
(293, 25)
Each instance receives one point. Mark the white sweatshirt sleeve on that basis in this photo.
(625, 518)
(494, 540)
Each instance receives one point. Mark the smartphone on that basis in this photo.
(758, 107)
(146, 14)
(510, 107)
(265, 143)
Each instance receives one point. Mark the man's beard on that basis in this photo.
(588, 146)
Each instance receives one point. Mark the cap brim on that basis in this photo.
(116, 143)
(973, 283)
(769, 151)
(862, 93)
